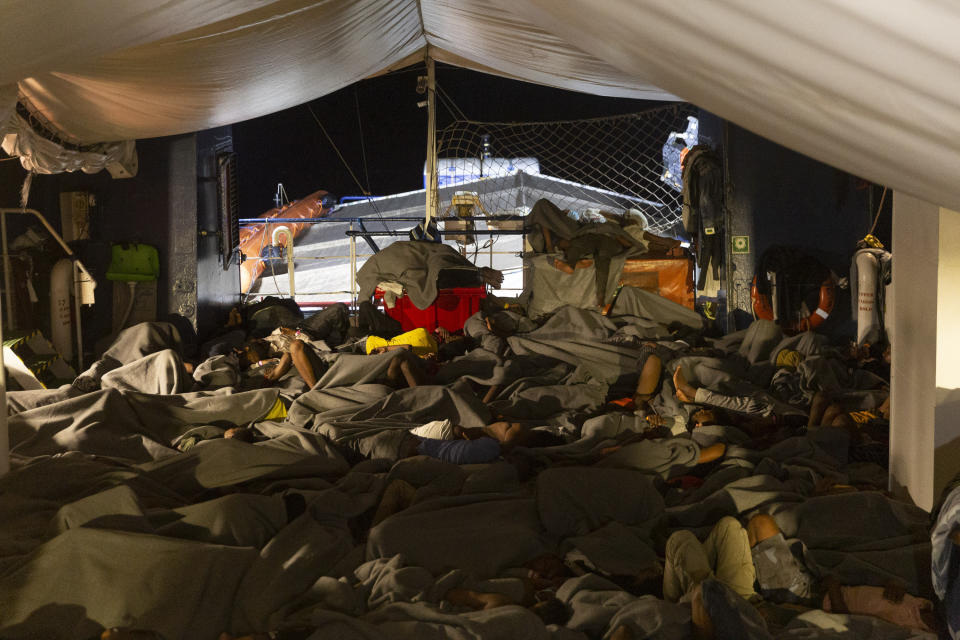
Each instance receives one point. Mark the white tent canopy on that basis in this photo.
(872, 88)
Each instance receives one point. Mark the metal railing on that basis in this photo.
(352, 233)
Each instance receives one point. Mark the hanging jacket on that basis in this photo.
(702, 209)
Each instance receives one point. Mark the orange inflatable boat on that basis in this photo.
(254, 239)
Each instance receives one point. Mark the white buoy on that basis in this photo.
(61, 314)
(868, 314)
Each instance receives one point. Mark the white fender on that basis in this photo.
(868, 314)
(61, 315)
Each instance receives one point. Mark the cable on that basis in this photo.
(347, 166)
(363, 147)
(335, 147)
(876, 218)
(455, 111)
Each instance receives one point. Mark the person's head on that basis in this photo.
(547, 571)
(703, 417)
(253, 351)
(243, 434)
(501, 324)
(550, 610)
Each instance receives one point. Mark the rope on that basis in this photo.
(363, 146)
(455, 110)
(876, 218)
(335, 148)
(347, 166)
(670, 111)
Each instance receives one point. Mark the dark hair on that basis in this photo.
(243, 434)
(551, 611)
(259, 346)
(502, 324)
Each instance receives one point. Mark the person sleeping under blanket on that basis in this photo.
(760, 566)
(432, 348)
(130, 345)
(755, 413)
(279, 351)
(452, 443)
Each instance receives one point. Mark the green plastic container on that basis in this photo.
(134, 263)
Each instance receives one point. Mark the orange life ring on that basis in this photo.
(828, 297)
(762, 308)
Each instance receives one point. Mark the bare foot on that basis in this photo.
(562, 266)
(685, 391)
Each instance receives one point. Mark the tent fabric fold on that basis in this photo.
(869, 88)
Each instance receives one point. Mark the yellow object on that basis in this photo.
(862, 417)
(277, 412)
(788, 358)
(872, 241)
(422, 342)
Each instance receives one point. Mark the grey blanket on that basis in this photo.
(415, 265)
(103, 522)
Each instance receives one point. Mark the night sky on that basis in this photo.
(290, 147)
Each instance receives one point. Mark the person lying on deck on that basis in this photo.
(475, 445)
(545, 574)
(755, 412)
(278, 352)
(759, 556)
(860, 416)
(668, 457)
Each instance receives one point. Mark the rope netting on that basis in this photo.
(612, 163)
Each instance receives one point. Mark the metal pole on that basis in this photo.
(77, 298)
(353, 267)
(7, 280)
(4, 429)
(293, 286)
(431, 190)
(285, 231)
